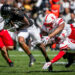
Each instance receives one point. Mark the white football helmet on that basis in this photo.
(49, 18)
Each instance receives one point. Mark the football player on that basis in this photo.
(64, 35)
(25, 27)
(6, 42)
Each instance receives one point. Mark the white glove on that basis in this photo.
(46, 65)
(16, 26)
(45, 39)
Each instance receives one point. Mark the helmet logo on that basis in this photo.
(52, 17)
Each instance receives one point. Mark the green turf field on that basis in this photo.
(21, 67)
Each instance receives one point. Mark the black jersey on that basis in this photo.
(17, 18)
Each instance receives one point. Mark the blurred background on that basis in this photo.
(36, 9)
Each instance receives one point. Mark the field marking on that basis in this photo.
(56, 62)
(60, 63)
(37, 55)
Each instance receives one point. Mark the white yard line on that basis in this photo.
(37, 55)
(56, 62)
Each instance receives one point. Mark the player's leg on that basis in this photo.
(56, 58)
(13, 36)
(10, 62)
(4, 52)
(63, 47)
(9, 44)
(70, 56)
(8, 41)
(37, 40)
(21, 39)
(43, 50)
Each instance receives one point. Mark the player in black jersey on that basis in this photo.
(25, 27)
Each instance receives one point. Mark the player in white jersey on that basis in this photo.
(64, 35)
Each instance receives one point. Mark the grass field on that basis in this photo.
(21, 67)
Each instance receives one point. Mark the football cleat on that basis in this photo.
(32, 60)
(70, 59)
(11, 64)
(70, 62)
(46, 65)
(50, 68)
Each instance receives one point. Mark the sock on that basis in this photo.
(31, 56)
(59, 56)
(9, 61)
(47, 59)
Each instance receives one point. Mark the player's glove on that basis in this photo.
(45, 39)
(46, 65)
(16, 26)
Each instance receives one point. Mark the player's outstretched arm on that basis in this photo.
(58, 30)
(26, 21)
(56, 58)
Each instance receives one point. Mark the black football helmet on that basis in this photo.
(6, 10)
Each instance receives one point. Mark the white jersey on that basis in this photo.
(65, 32)
(1, 23)
(66, 38)
(33, 32)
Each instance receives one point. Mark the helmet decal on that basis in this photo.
(46, 17)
